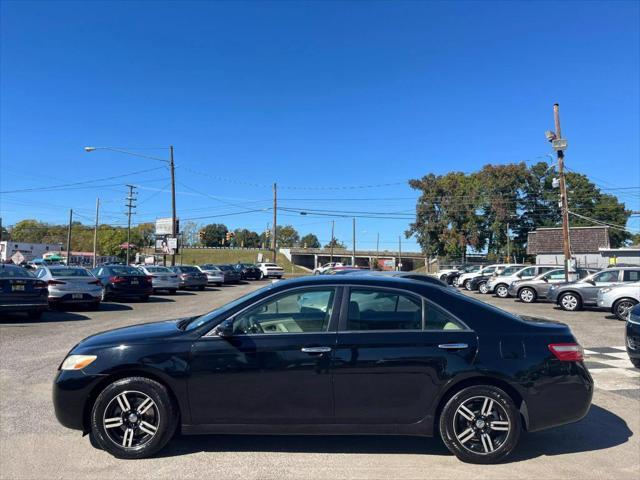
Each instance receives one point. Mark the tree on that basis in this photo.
(147, 232)
(29, 231)
(189, 233)
(337, 244)
(287, 236)
(310, 241)
(246, 238)
(214, 235)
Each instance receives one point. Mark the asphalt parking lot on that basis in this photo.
(33, 445)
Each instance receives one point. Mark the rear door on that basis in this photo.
(394, 351)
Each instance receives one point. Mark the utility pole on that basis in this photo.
(130, 204)
(174, 229)
(95, 235)
(332, 242)
(275, 220)
(0, 229)
(69, 237)
(377, 249)
(508, 244)
(353, 254)
(559, 144)
(399, 252)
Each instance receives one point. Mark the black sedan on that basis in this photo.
(633, 336)
(21, 291)
(329, 355)
(248, 271)
(479, 283)
(122, 281)
(229, 273)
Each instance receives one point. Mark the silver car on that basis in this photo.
(161, 278)
(620, 299)
(213, 273)
(71, 285)
(537, 288)
(500, 284)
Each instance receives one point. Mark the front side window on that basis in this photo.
(382, 310)
(304, 311)
(554, 275)
(607, 277)
(528, 272)
(488, 271)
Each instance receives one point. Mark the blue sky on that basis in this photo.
(308, 94)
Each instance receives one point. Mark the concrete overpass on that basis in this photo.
(387, 260)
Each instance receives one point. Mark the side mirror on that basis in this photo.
(545, 279)
(225, 329)
(591, 281)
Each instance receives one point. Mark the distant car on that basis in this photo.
(421, 277)
(464, 281)
(327, 266)
(632, 335)
(573, 296)
(500, 284)
(71, 285)
(452, 277)
(248, 271)
(620, 299)
(229, 273)
(215, 276)
(162, 278)
(270, 270)
(537, 288)
(190, 276)
(21, 291)
(123, 281)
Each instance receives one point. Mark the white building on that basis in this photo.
(28, 250)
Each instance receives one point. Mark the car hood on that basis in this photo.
(142, 333)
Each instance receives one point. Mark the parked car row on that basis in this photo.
(57, 286)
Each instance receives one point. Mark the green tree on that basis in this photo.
(310, 241)
(30, 231)
(337, 244)
(246, 238)
(287, 236)
(214, 235)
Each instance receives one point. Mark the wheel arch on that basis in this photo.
(509, 389)
(118, 375)
(618, 300)
(569, 290)
(535, 292)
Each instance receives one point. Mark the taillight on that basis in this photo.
(40, 284)
(567, 352)
(117, 279)
(149, 278)
(56, 282)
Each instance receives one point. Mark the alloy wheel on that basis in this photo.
(131, 419)
(481, 425)
(569, 302)
(502, 291)
(527, 295)
(483, 287)
(467, 284)
(623, 308)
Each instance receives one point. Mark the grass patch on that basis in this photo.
(198, 256)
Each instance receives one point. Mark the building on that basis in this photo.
(386, 260)
(586, 245)
(621, 256)
(28, 251)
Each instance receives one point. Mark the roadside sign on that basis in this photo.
(18, 258)
(164, 226)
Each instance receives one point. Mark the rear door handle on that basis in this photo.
(315, 349)
(453, 346)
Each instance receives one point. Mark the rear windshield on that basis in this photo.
(123, 270)
(14, 272)
(225, 267)
(69, 272)
(189, 269)
(158, 270)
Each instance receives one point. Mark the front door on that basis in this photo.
(274, 369)
(393, 354)
(589, 291)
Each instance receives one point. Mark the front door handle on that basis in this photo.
(453, 346)
(315, 349)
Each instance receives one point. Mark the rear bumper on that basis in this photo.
(121, 292)
(75, 297)
(193, 283)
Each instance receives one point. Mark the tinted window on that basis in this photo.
(69, 272)
(546, 269)
(381, 310)
(607, 276)
(304, 311)
(189, 270)
(529, 272)
(488, 271)
(158, 270)
(631, 275)
(438, 319)
(14, 272)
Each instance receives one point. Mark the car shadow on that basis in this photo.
(113, 307)
(156, 299)
(47, 317)
(573, 438)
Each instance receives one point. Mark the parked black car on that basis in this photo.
(345, 354)
(123, 281)
(231, 275)
(190, 277)
(632, 336)
(248, 271)
(21, 291)
(479, 283)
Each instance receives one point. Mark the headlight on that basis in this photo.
(605, 290)
(77, 362)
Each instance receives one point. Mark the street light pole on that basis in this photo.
(95, 235)
(174, 230)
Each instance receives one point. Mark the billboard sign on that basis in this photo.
(166, 245)
(164, 226)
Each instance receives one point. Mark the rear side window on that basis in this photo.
(438, 319)
(14, 272)
(69, 272)
(189, 269)
(631, 275)
(371, 310)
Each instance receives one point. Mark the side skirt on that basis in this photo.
(417, 429)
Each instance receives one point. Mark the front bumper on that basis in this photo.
(71, 391)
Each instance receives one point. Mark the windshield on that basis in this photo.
(69, 272)
(198, 321)
(125, 270)
(510, 270)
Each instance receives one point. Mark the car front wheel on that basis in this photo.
(482, 288)
(502, 291)
(480, 424)
(133, 418)
(570, 302)
(527, 295)
(623, 307)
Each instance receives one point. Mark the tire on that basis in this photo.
(622, 307)
(261, 275)
(125, 400)
(635, 361)
(501, 290)
(35, 314)
(467, 285)
(571, 302)
(144, 298)
(527, 295)
(482, 288)
(172, 291)
(443, 278)
(468, 432)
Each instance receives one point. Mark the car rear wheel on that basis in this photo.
(527, 295)
(480, 424)
(482, 288)
(570, 302)
(133, 418)
(502, 291)
(144, 298)
(623, 307)
(467, 285)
